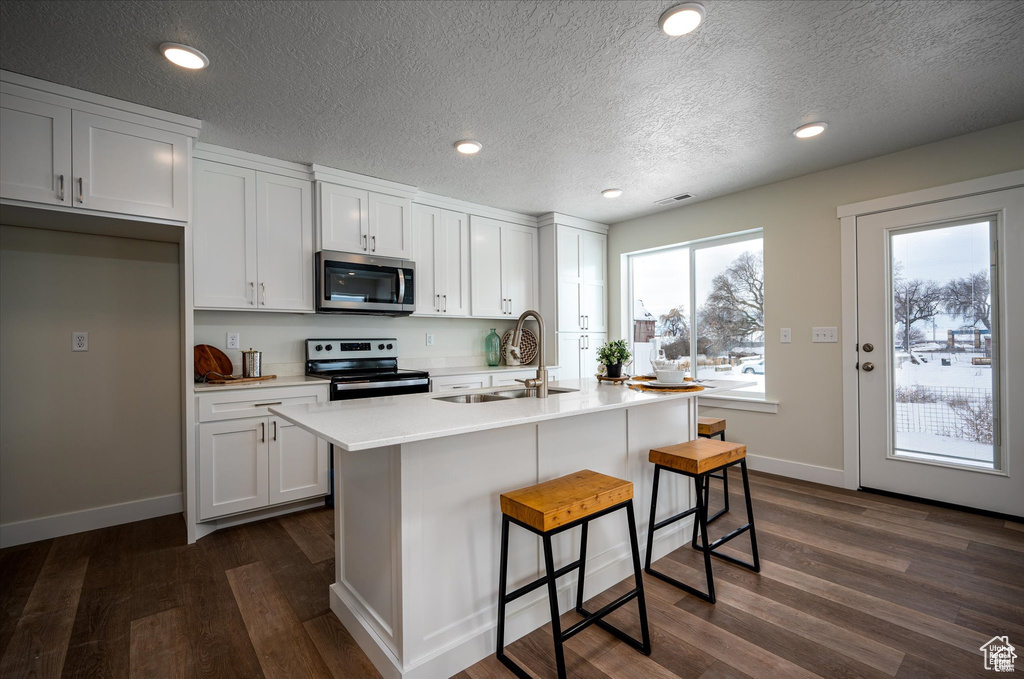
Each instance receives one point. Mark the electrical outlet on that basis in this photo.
(234, 342)
(785, 335)
(430, 339)
(79, 341)
(826, 334)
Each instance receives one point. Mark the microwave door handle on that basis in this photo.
(401, 286)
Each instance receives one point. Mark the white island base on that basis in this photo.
(418, 528)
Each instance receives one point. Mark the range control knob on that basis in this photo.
(391, 346)
(329, 347)
(319, 347)
(380, 347)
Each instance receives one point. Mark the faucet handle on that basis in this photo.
(530, 383)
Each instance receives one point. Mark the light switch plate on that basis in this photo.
(430, 339)
(825, 334)
(79, 341)
(234, 341)
(785, 335)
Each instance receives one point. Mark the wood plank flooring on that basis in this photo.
(852, 585)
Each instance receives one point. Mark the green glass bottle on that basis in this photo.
(492, 346)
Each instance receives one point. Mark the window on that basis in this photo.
(711, 290)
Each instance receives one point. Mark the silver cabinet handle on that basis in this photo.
(460, 386)
(445, 303)
(588, 322)
(81, 190)
(62, 188)
(263, 287)
(437, 303)
(364, 241)
(263, 432)
(274, 422)
(581, 321)
(263, 405)
(374, 248)
(252, 290)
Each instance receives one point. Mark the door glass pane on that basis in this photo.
(943, 363)
(661, 308)
(729, 281)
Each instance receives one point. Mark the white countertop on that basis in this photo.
(391, 420)
(481, 369)
(283, 381)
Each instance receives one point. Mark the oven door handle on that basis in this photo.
(342, 386)
(401, 286)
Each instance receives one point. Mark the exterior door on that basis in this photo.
(224, 236)
(284, 227)
(127, 168)
(940, 342)
(36, 162)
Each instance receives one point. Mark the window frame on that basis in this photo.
(693, 247)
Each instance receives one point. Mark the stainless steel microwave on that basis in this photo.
(357, 284)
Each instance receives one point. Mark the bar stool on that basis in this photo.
(548, 509)
(697, 459)
(710, 427)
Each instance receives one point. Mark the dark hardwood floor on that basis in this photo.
(852, 585)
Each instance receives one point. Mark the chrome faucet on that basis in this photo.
(541, 382)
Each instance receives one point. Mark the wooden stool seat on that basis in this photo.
(554, 503)
(698, 456)
(710, 426)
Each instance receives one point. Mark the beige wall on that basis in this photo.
(88, 429)
(802, 269)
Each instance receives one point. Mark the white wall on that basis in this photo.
(79, 431)
(802, 268)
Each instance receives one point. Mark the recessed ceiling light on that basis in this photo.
(611, 193)
(809, 130)
(682, 19)
(184, 56)
(468, 147)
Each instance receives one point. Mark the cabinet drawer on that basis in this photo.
(459, 382)
(245, 403)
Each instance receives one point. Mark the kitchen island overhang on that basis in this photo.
(417, 519)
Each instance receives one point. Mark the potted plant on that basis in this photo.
(612, 355)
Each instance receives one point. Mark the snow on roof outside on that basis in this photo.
(640, 312)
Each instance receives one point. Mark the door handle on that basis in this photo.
(374, 240)
(274, 422)
(252, 290)
(364, 241)
(62, 188)
(263, 287)
(263, 432)
(868, 367)
(869, 347)
(81, 190)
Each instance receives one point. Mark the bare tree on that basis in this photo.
(734, 309)
(968, 298)
(915, 300)
(675, 323)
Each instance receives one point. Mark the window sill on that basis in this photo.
(733, 402)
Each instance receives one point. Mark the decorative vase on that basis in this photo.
(614, 370)
(492, 347)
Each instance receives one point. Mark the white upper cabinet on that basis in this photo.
(594, 290)
(224, 236)
(127, 168)
(252, 239)
(504, 267)
(284, 226)
(344, 218)
(364, 222)
(36, 161)
(442, 261)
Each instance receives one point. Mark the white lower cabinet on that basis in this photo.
(577, 354)
(248, 463)
(457, 382)
(498, 378)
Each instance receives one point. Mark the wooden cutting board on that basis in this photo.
(207, 359)
(235, 380)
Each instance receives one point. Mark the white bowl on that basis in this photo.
(670, 376)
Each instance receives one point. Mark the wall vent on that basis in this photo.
(673, 199)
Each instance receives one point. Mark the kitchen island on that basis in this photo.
(417, 520)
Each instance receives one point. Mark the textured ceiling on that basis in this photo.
(568, 98)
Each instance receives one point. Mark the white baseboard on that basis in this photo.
(797, 470)
(88, 519)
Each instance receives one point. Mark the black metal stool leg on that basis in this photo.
(750, 517)
(638, 579)
(725, 485)
(583, 568)
(502, 593)
(650, 524)
(702, 516)
(556, 626)
(700, 487)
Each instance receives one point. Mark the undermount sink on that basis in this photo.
(471, 398)
(530, 393)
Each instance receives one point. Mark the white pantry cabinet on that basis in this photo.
(503, 262)
(363, 222)
(441, 252)
(582, 280)
(252, 239)
(577, 354)
(249, 459)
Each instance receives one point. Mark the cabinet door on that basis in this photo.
(390, 226)
(36, 161)
(426, 235)
(588, 358)
(570, 349)
(485, 266)
(344, 217)
(298, 463)
(223, 236)
(519, 268)
(454, 263)
(459, 382)
(594, 291)
(232, 467)
(570, 279)
(508, 379)
(284, 227)
(128, 168)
